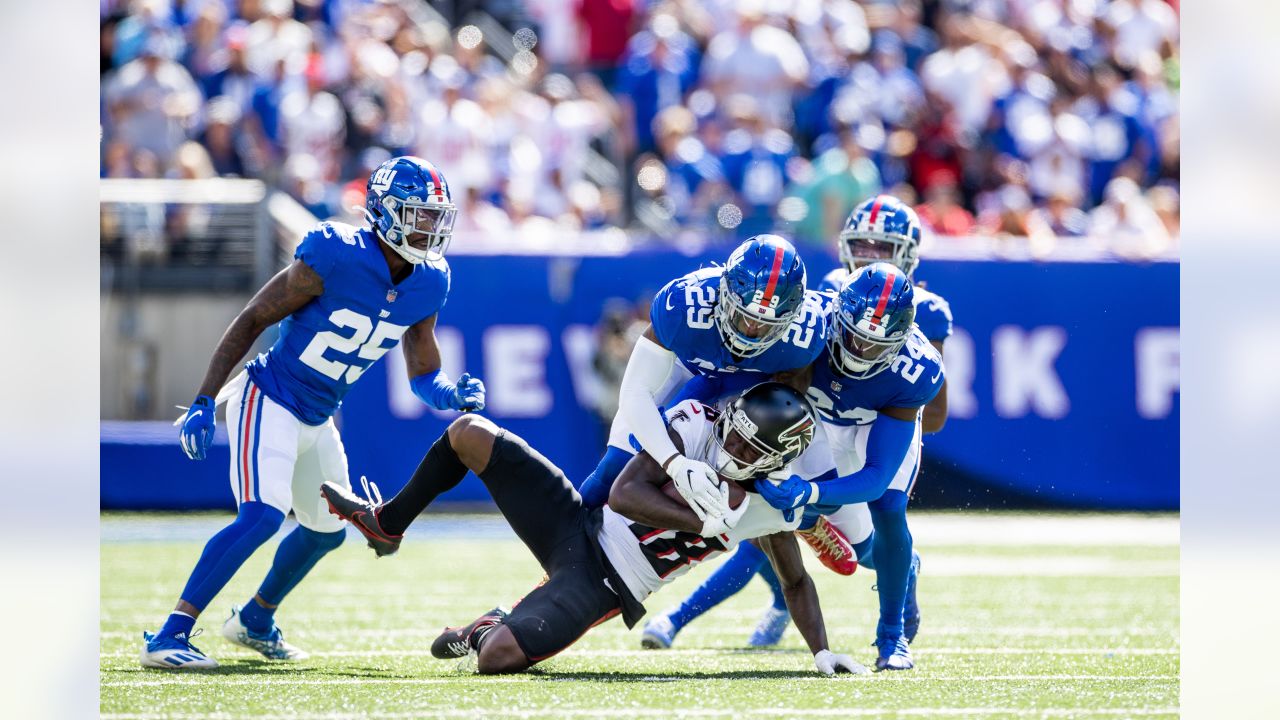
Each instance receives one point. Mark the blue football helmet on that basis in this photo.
(407, 202)
(761, 292)
(873, 319)
(881, 229)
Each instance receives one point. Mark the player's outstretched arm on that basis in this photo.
(935, 413)
(647, 372)
(283, 294)
(799, 378)
(289, 290)
(802, 600)
(430, 383)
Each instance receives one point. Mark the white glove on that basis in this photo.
(829, 663)
(698, 484)
(714, 525)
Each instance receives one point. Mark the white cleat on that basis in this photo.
(659, 633)
(173, 653)
(272, 646)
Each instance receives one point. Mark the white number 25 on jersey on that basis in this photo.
(366, 341)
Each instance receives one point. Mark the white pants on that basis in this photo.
(279, 460)
(844, 447)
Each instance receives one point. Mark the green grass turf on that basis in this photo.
(1061, 628)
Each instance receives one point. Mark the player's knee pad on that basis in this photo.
(258, 521)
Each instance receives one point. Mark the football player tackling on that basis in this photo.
(605, 561)
(349, 296)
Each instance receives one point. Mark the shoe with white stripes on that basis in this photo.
(174, 652)
(271, 645)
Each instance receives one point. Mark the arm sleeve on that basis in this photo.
(887, 447)
(435, 389)
(647, 371)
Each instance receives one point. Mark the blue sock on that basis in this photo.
(177, 624)
(892, 554)
(298, 553)
(862, 551)
(595, 489)
(732, 575)
(225, 552)
(769, 576)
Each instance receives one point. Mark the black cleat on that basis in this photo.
(456, 642)
(361, 513)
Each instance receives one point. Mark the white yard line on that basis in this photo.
(666, 712)
(730, 652)
(216, 681)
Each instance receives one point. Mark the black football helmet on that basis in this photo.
(773, 424)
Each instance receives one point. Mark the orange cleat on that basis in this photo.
(831, 547)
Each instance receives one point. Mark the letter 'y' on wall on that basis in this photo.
(1023, 371)
(1157, 361)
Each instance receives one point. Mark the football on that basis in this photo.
(736, 493)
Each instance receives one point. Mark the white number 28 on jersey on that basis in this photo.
(366, 341)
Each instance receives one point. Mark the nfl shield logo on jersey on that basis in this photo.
(391, 295)
(835, 386)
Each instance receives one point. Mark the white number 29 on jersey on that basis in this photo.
(366, 341)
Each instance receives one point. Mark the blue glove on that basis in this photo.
(468, 394)
(788, 495)
(197, 428)
(441, 393)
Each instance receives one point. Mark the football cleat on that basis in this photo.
(174, 652)
(456, 642)
(659, 633)
(911, 610)
(271, 645)
(769, 630)
(361, 513)
(893, 653)
(831, 547)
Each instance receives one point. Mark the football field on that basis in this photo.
(1024, 616)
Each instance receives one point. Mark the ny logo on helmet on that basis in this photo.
(383, 178)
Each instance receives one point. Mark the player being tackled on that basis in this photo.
(603, 562)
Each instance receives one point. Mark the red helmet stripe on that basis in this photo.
(773, 276)
(875, 209)
(884, 300)
(435, 179)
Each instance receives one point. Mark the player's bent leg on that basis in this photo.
(776, 616)
(223, 555)
(892, 551)
(500, 653)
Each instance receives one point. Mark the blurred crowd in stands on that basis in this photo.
(1037, 119)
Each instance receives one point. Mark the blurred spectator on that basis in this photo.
(658, 70)
(152, 101)
(616, 335)
(226, 145)
(842, 177)
(1062, 214)
(1166, 202)
(1126, 224)
(313, 123)
(759, 60)
(606, 26)
(755, 156)
(941, 210)
(693, 183)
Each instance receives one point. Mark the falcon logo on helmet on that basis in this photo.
(407, 202)
(764, 430)
(761, 292)
(881, 229)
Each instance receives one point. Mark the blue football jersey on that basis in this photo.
(327, 344)
(933, 313)
(683, 321)
(912, 380)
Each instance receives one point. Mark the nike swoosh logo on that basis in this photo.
(696, 411)
(669, 303)
(197, 414)
(935, 377)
